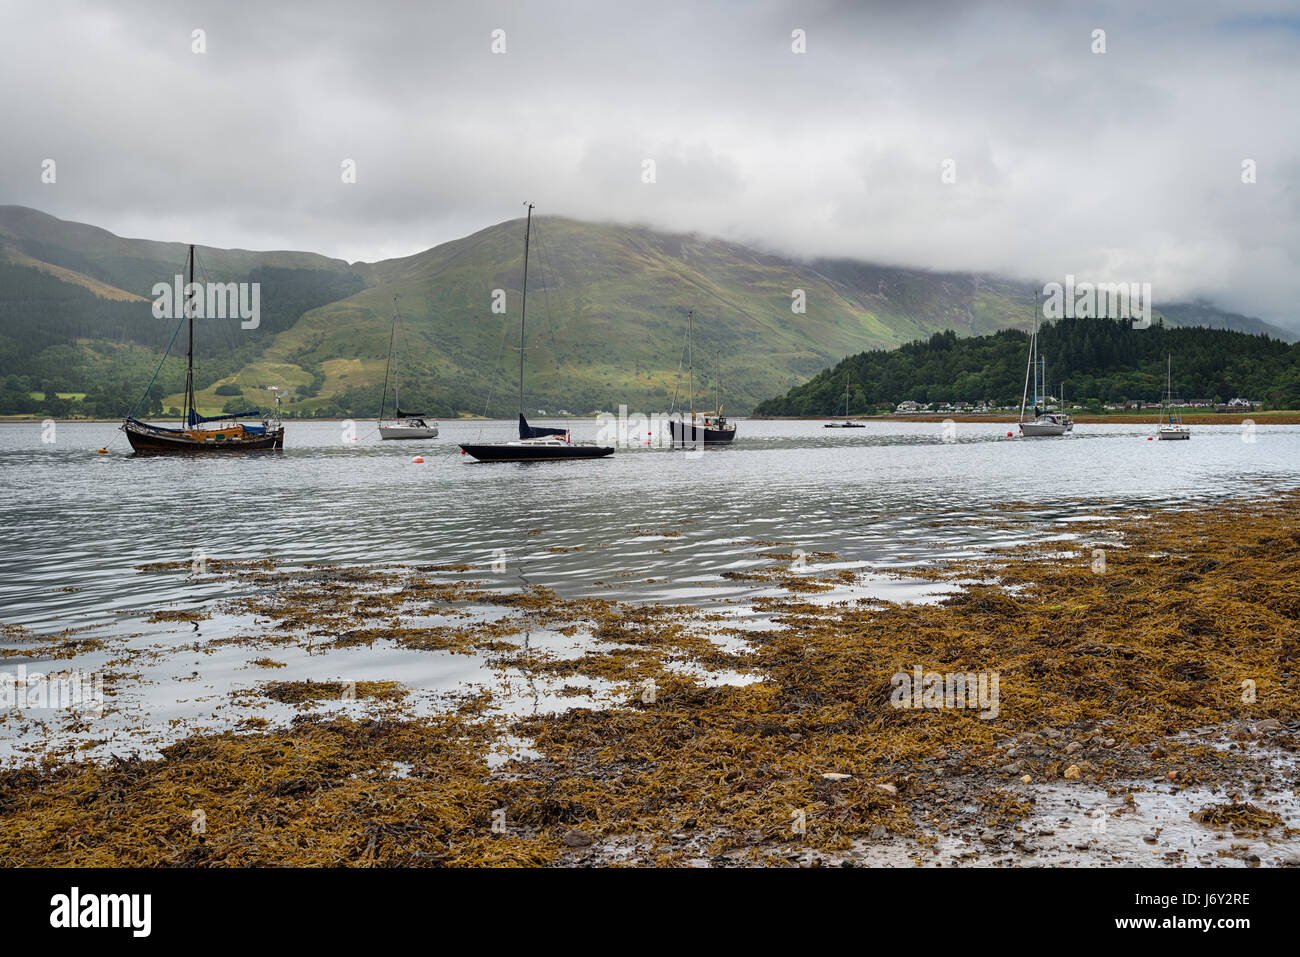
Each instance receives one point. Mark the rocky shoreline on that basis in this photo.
(1132, 698)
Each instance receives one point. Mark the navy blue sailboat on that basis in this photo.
(535, 443)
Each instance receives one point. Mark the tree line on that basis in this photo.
(1099, 361)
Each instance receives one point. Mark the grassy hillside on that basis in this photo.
(606, 319)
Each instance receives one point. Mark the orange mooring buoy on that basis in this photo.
(418, 460)
(102, 451)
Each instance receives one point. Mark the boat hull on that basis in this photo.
(843, 425)
(1041, 429)
(149, 440)
(1167, 435)
(403, 432)
(535, 453)
(687, 434)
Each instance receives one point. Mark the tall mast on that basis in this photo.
(397, 402)
(1169, 382)
(1033, 331)
(523, 308)
(190, 411)
(1035, 348)
(690, 360)
(717, 384)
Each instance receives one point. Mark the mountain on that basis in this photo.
(606, 320)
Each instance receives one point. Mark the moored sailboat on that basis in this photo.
(535, 444)
(1044, 423)
(847, 423)
(709, 428)
(404, 425)
(199, 433)
(1171, 425)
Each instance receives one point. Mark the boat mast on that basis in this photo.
(690, 362)
(1035, 348)
(190, 411)
(397, 402)
(1033, 331)
(523, 308)
(1169, 382)
(717, 385)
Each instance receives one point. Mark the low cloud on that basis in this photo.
(1124, 165)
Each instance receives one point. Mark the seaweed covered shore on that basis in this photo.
(1153, 665)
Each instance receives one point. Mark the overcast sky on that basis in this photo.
(1119, 166)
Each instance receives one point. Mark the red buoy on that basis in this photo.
(418, 460)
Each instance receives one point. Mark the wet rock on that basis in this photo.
(576, 838)
(836, 776)
(1072, 772)
(890, 789)
(1109, 743)
(1052, 733)
(1172, 775)
(1072, 747)
(1026, 780)
(1269, 724)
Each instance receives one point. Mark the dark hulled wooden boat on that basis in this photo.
(147, 439)
(709, 428)
(204, 434)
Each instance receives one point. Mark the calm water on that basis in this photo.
(75, 525)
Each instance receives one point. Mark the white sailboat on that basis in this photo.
(1172, 425)
(1044, 423)
(404, 425)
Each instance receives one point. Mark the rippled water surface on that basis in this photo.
(886, 494)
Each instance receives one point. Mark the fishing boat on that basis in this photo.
(1043, 423)
(847, 423)
(200, 433)
(404, 425)
(1171, 425)
(535, 444)
(708, 428)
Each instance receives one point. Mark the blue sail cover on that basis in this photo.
(195, 418)
(527, 431)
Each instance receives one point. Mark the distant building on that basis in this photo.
(908, 406)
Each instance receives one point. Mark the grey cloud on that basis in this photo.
(1125, 166)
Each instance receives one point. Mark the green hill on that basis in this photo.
(607, 316)
(1100, 361)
